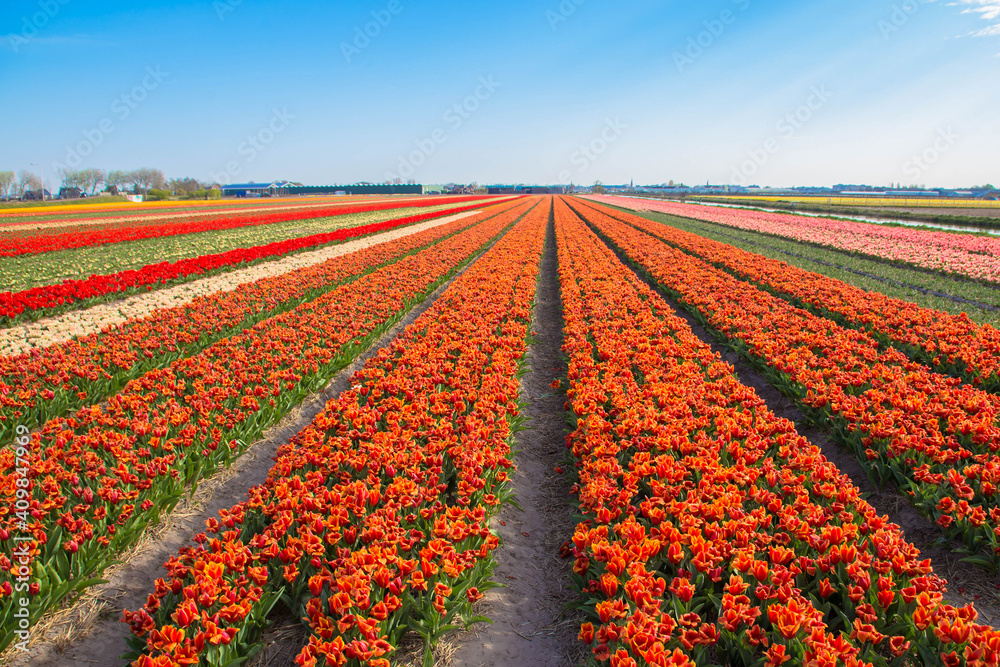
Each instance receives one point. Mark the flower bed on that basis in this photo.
(374, 520)
(932, 436)
(966, 255)
(98, 478)
(46, 383)
(712, 532)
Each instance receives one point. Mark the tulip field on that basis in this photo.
(145, 351)
(965, 255)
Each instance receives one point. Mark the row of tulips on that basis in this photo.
(100, 208)
(374, 520)
(45, 383)
(13, 245)
(96, 215)
(98, 478)
(40, 300)
(965, 255)
(27, 271)
(712, 532)
(951, 344)
(931, 435)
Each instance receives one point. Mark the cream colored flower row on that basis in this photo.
(51, 331)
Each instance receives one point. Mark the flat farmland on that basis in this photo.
(709, 454)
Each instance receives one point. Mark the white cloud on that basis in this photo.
(987, 9)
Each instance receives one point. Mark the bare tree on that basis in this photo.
(7, 181)
(157, 181)
(146, 179)
(92, 179)
(117, 180)
(134, 178)
(71, 178)
(27, 182)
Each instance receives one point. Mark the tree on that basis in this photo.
(598, 188)
(7, 181)
(92, 179)
(117, 180)
(71, 178)
(88, 180)
(133, 178)
(186, 187)
(145, 179)
(158, 195)
(27, 182)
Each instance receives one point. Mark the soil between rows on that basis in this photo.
(530, 624)
(967, 584)
(89, 632)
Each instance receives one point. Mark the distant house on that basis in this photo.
(70, 193)
(36, 195)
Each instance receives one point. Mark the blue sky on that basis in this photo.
(776, 93)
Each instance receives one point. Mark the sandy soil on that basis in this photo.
(282, 641)
(89, 632)
(530, 625)
(51, 331)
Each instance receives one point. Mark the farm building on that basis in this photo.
(287, 188)
(272, 189)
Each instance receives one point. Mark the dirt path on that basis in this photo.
(967, 584)
(89, 632)
(530, 625)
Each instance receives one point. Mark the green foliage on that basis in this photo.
(158, 195)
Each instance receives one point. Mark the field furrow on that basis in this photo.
(98, 478)
(930, 435)
(374, 520)
(45, 383)
(13, 244)
(967, 255)
(951, 344)
(712, 532)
